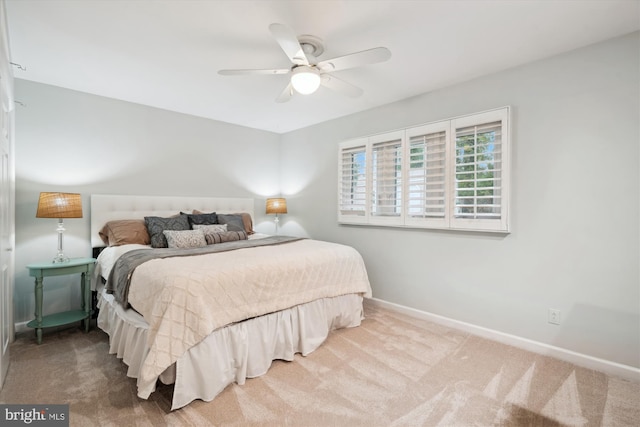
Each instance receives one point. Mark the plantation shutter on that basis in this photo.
(353, 183)
(451, 174)
(479, 191)
(386, 175)
(427, 174)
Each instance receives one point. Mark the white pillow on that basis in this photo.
(211, 228)
(185, 238)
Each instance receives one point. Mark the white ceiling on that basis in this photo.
(166, 53)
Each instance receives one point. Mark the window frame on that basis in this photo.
(413, 191)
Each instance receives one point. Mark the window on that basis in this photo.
(386, 175)
(352, 192)
(452, 174)
(427, 178)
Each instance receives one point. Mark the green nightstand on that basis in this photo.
(75, 265)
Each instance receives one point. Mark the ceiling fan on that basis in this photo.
(307, 74)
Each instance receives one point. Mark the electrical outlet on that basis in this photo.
(554, 316)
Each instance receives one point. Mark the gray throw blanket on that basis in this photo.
(120, 275)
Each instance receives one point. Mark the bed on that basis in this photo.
(201, 317)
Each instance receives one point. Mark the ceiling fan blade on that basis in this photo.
(334, 83)
(366, 57)
(288, 41)
(286, 94)
(244, 72)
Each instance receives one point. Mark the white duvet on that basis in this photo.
(184, 299)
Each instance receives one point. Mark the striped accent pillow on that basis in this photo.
(227, 236)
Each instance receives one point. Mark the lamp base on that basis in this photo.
(60, 259)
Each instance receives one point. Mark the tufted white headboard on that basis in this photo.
(106, 208)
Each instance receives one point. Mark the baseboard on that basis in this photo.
(584, 360)
(21, 327)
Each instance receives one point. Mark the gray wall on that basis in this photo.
(77, 142)
(574, 244)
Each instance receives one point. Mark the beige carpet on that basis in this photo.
(393, 370)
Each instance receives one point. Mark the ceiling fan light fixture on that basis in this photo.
(305, 80)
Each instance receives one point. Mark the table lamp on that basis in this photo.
(59, 205)
(277, 206)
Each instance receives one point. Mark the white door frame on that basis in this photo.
(7, 197)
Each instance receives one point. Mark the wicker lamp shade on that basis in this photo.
(277, 206)
(59, 205)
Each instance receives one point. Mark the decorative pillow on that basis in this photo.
(156, 225)
(185, 238)
(246, 219)
(211, 228)
(229, 236)
(201, 218)
(124, 232)
(234, 222)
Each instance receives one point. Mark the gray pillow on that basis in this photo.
(156, 225)
(201, 218)
(211, 228)
(234, 222)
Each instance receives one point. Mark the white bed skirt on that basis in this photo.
(233, 353)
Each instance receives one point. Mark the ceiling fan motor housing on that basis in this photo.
(311, 45)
